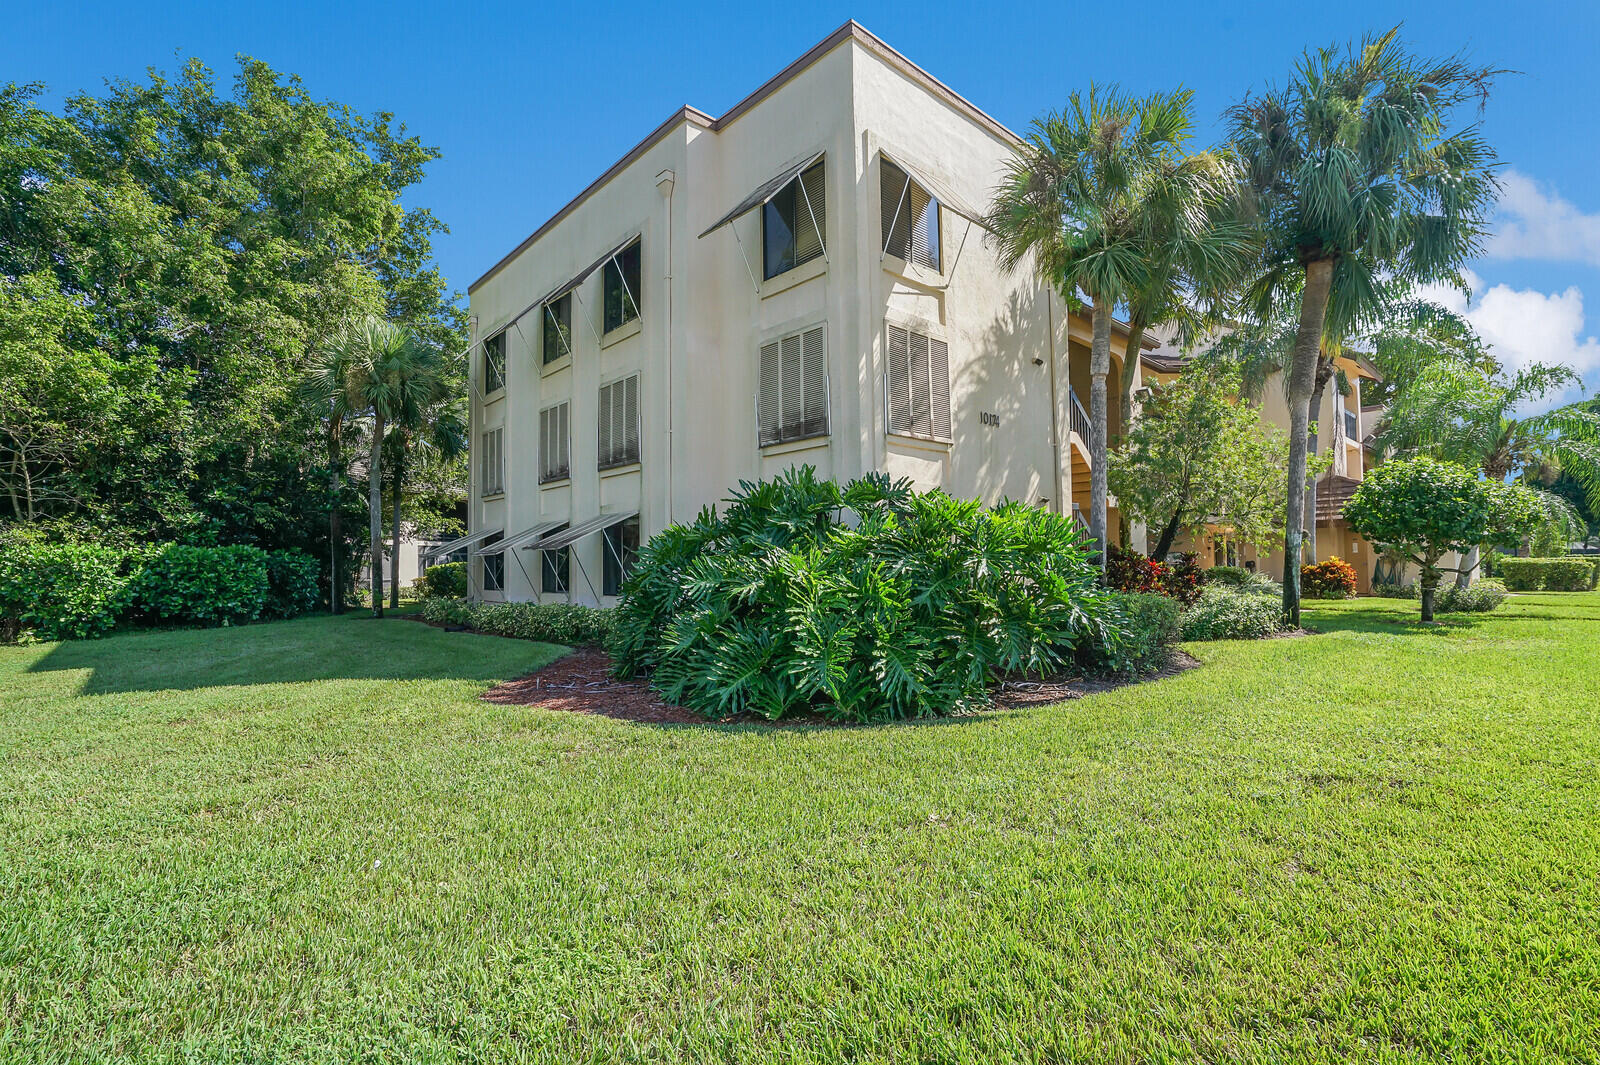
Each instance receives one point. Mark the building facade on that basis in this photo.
(804, 280)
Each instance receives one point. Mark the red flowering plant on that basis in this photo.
(1181, 578)
(1129, 571)
(1333, 579)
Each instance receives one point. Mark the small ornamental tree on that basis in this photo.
(1423, 509)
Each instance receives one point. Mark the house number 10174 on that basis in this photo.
(988, 417)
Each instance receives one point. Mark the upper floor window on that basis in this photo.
(793, 402)
(494, 363)
(621, 548)
(919, 384)
(553, 438)
(619, 423)
(492, 466)
(557, 334)
(621, 282)
(910, 218)
(793, 222)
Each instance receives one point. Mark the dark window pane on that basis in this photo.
(494, 568)
(622, 294)
(557, 341)
(792, 223)
(554, 576)
(621, 549)
(494, 363)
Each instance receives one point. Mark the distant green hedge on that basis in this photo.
(563, 623)
(79, 591)
(1548, 574)
(447, 580)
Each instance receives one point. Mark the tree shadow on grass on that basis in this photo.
(349, 647)
(1391, 622)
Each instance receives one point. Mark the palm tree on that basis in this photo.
(1356, 177)
(1102, 199)
(1457, 403)
(381, 371)
(432, 431)
(326, 387)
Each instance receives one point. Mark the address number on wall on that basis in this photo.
(988, 417)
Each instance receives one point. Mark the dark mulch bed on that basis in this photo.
(582, 683)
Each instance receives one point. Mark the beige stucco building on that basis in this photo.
(801, 280)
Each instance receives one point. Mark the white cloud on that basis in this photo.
(1533, 223)
(1525, 326)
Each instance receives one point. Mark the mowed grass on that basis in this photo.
(311, 841)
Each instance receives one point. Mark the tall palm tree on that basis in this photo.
(431, 431)
(384, 370)
(1357, 175)
(325, 387)
(1101, 198)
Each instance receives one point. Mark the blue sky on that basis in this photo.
(530, 102)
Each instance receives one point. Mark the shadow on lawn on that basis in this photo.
(350, 647)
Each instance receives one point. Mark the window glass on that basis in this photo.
(553, 567)
(622, 295)
(793, 223)
(910, 218)
(494, 568)
(494, 363)
(621, 549)
(557, 342)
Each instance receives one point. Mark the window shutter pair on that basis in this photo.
(793, 401)
(492, 470)
(553, 437)
(918, 384)
(619, 422)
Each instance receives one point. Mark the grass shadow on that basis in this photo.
(347, 647)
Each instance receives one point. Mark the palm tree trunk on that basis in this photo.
(394, 502)
(1099, 367)
(1302, 378)
(1168, 534)
(375, 514)
(1130, 363)
(1313, 415)
(335, 513)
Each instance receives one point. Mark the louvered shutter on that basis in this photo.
(553, 464)
(939, 388)
(563, 441)
(814, 382)
(630, 419)
(896, 212)
(792, 412)
(767, 401)
(606, 436)
(920, 424)
(899, 380)
(924, 229)
(812, 201)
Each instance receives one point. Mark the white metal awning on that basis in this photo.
(572, 534)
(766, 192)
(465, 541)
(511, 542)
(583, 275)
(945, 197)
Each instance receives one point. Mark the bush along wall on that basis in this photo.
(77, 591)
(1547, 574)
(563, 623)
(862, 602)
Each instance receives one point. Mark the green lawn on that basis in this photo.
(310, 841)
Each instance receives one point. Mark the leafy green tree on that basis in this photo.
(1197, 456)
(428, 427)
(1103, 200)
(197, 244)
(1423, 509)
(1359, 173)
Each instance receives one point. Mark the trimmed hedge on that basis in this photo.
(1547, 574)
(562, 623)
(1233, 613)
(79, 591)
(447, 580)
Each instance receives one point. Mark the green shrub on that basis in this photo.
(1225, 613)
(61, 591)
(562, 623)
(1229, 575)
(448, 579)
(1594, 568)
(1386, 590)
(1477, 598)
(869, 602)
(1547, 574)
(202, 586)
(1148, 624)
(1332, 578)
(291, 584)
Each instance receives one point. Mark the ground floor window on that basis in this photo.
(494, 568)
(553, 571)
(621, 548)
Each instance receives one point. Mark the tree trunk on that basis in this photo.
(375, 514)
(1130, 363)
(335, 513)
(1099, 367)
(1302, 378)
(1167, 536)
(1430, 582)
(1469, 565)
(1313, 413)
(394, 498)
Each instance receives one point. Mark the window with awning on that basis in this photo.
(793, 222)
(910, 218)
